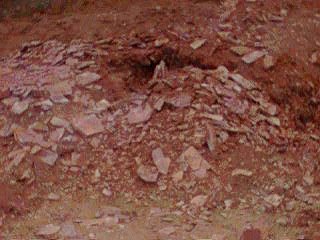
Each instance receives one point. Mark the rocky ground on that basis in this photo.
(185, 120)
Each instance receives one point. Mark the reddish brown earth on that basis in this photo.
(239, 142)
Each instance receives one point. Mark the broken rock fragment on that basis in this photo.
(87, 78)
(88, 125)
(159, 103)
(253, 56)
(17, 157)
(20, 107)
(180, 101)
(60, 122)
(139, 114)
(6, 130)
(274, 199)
(240, 50)
(268, 108)
(195, 161)
(178, 176)
(164, 233)
(4, 92)
(211, 138)
(199, 201)
(246, 84)
(241, 172)
(315, 58)
(48, 157)
(274, 121)
(68, 231)
(29, 136)
(198, 43)
(148, 173)
(53, 197)
(268, 62)
(103, 105)
(48, 230)
(161, 161)
(192, 157)
(221, 73)
(160, 42)
(57, 134)
(236, 105)
(39, 126)
(63, 88)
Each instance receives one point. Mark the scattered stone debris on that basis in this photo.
(188, 110)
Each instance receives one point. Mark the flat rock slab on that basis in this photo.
(87, 78)
(161, 161)
(253, 56)
(192, 157)
(241, 172)
(48, 157)
(88, 125)
(25, 136)
(20, 107)
(139, 114)
(274, 199)
(239, 79)
(48, 230)
(63, 88)
(60, 122)
(199, 201)
(240, 50)
(180, 101)
(195, 161)
(68, 230)
(164, 233)
(198, 43)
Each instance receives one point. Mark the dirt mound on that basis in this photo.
(214, 111)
